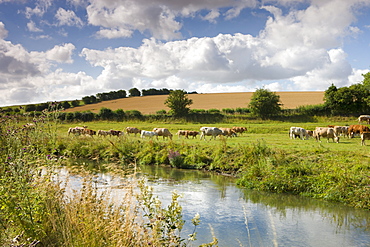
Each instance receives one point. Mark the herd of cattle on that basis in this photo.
(334, 132)
(164, 132)
(329, 132)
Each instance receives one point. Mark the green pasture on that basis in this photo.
(274, 134)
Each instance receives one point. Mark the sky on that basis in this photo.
(55, 50)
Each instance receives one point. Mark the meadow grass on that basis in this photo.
(263, 158)
(36, 211)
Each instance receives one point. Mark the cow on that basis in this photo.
(365, 118)
(298, 131)
(325, 132)
(163, 132)
(228, 132)
(149, 134)
(364, 136)
(104, 133)
(357, 129)
(209, 131)
(132, 130)
(341, 130)
(239, 129)
(310, 132)
(89, 132)
(76, 130)
(182, 133)
(116, 132)
(191, 133)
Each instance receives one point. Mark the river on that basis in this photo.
(241, 217)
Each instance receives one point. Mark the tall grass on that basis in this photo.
(35, 210)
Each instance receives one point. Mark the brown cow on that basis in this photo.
(228, 132)
(132, 130)
(89, 132)
(187, 133)
(357, 129)
(182, 133)
(116, 132)
(364, 136)
(191, 133)
(239, 129)
(163, 132)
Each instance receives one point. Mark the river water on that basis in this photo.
(241, 217)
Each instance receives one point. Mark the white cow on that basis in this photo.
(149, 134)
(298, 131)
(210, 131)
(103, 133)
(341, 130)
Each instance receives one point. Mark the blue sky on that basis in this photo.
(65, 50)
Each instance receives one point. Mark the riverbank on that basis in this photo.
(268, 162)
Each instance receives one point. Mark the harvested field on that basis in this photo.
(152, 104)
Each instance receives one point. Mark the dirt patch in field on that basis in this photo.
(152, 104)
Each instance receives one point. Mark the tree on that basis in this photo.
(66, 105)
(106, 113)
(264, 103)
(178, 102)
(75, 103)
(366, 81)
(134, 92)
(347, 100)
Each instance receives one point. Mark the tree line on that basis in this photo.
(344, 101)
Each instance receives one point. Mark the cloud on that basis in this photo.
(61, 54)
(3, 31)
(292, 53)
(159, 17)
(32, 27)
(297, 50)
(68, 17)
(39, 10)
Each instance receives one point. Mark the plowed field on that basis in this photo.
(152, 104)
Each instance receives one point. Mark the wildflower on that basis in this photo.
(196, 219)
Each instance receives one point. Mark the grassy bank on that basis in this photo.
(36, 211)
(34, 208)
(264, 158)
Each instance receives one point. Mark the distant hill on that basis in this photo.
(152, 104)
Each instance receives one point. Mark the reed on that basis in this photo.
(36, 210)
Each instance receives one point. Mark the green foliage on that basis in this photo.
(264, 103)
(89, 99)
(352, 100)
(105, 113)
(134, 92)
(153, 91)
(34, 209)
(66, 105)
(111, 95)
(214, 111)
(161, 112)
(366, 81)
(179, 103)
(75, 103)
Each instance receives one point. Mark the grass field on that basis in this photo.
(152, 104)
(273, 133)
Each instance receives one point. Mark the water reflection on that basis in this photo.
(240, 217)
